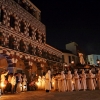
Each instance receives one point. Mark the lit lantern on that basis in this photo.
(73, 82)
(38, 84)
(53, 83)
(53, 80)
(24, 83)
(2, 85)
(72, 61)
(24, 88)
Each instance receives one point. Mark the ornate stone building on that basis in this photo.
(23, 39)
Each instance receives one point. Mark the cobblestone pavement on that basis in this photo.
(42, 95)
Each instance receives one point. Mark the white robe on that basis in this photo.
(63, 83)
(83, 81)
(3, 81)
(91, 82)
(98, 80)
(3, 77)
(13, 80)
(47, 81)
(55, 83)
(59, 84)
(77, 85)
(69, 83)
(19, 84)
(24, 83)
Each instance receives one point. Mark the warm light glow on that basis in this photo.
(98, 62)
(72, 82)
(53, 83)
(65, 65)
(20, 85)
(24, 86)
(72, 62)
(2, 85)
(38, 83)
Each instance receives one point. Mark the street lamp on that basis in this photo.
(72, 66)
(65, 66)
(72, 62)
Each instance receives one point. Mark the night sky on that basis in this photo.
(71, 20)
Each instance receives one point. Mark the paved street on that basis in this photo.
(42, 95)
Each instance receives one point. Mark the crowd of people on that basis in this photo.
(13, 83)
(59, 82)
(71, 82)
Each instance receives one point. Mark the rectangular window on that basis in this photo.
(1, 15)
(16, 1)
(69, 57)
(12, 21)
(30, 31)
(22, 26)
(73, 58)
(90, 59)
(63, 59)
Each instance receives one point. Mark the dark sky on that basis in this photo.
(71, 20)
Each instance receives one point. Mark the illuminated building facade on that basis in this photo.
(23, 45)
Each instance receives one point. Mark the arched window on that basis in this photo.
(37, 51)
(22, 26)
(11, 42)
(30, 31)
(12, 21)
(1, 15)
(22, 46)
(30, 48)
